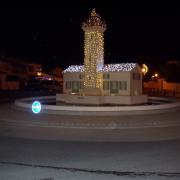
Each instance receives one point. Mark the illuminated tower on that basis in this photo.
(94, 28)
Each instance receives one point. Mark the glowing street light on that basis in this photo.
(144, 69)
(156, 75)
(39, 74)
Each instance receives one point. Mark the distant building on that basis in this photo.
(162, 87)
(14, 73)
(173, 62)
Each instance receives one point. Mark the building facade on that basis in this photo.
(15, 73)
(118, 79)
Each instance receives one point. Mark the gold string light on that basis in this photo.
(94, 28)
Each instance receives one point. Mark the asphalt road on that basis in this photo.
(41, 159)
(49, 147)
(152, 127)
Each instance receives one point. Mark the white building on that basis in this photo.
(96, 83)
(123, 79)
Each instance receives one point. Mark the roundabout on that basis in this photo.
(72, 123)
(51, 106)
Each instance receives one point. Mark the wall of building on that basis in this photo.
(2, 81)
(14, 67)
(8, 85)
(34, 69)
(95, 100)
(153, 84)
(162, 88)
(119, 77)
(5, 67)
(171, 86)
(13, 85)
(69, 77)
(118, 83)
(161, 84)
(136, 82)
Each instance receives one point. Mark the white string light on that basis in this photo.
(122, 67)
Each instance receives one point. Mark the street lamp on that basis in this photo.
(155, 76)
(144, 69)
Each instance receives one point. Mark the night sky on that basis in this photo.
(53, 36)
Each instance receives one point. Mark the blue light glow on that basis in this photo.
(36, 107)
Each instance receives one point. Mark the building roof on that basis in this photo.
(122, 67)
(74, 68)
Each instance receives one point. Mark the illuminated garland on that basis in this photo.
(93, 50)
(94, 67)
(119, 67)
(123, 67)
(74, 68)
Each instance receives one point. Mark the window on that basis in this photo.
(114, 84)
(75, 86)
(106, 76)
(122, 85)
(68, 84)
(114, 87)
(106, 85)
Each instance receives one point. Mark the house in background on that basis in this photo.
(58, 74)
(15, 73)
(55, 74)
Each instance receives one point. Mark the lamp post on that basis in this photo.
(144, 71)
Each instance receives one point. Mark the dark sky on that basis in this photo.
(54, 35)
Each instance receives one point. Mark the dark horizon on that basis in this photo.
(53, 36)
